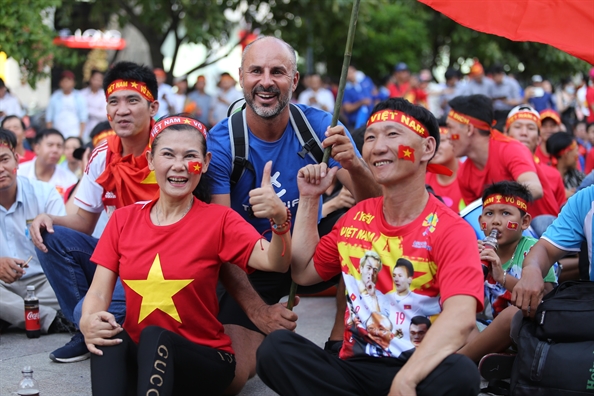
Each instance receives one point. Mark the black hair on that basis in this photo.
(47, 132)
(202, 190)
(580, 122)
(402, 262)
(10, 117)
(421, 320)
(451, 73)
(509, 189)
(477, 106)
(132, 71)
(558, 142)
(100, 127)
(497, 69)
(422, 115)
(95, 71)
(588, 125)
(2, 85)
(74, 138)
(8, 137)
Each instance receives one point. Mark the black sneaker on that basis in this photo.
(74, 351)
(333, 347)
(61, 325)
(496, 366)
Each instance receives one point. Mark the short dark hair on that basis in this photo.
(10, 117)
(497, 69)
(46, 132)
(421, 320)
(132, 71)
(402, 262)
(2, 85)
(580, 122)
(558, 142)
(95, 71)
(422, 115)
(74, 138)
(509, 189)
(477, 106)
(8, 137)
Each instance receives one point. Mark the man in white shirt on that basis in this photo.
(48, 147)
(226, 95)
(9, 105)
(67, 109)
(21, 200)
(95, 98)
(317, 96)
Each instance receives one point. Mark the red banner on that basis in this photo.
(565, 24)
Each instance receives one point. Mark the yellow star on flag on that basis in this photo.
(197, 168)
(407, 153)
(186, 121)
(157, 292)
(134, 85)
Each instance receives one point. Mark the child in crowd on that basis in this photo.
(504, 209)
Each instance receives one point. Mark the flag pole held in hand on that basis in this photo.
(345, 69)
(341, 85)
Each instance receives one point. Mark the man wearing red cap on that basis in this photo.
(550, 123)
(477, 83)
(117, 175)
(67, 110)
(492, 157)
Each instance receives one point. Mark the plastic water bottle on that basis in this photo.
(28, 386)
(490, 242)
(32, 322)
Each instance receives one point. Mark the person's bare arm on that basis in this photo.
(82, 221)
(529, 290)
(267, 318)
(446, 336)
(354, 175)
(532, 183)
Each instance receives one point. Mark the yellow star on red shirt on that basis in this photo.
(157, 292)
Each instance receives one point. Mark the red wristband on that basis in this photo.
(286, 224)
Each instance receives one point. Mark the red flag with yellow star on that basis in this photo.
(512, 225)
(406, 153)
(195, 167)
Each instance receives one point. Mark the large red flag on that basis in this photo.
(564, 24)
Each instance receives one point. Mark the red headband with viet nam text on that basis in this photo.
(505, 200)
(175, 120)
(130, 85)
(5, 144)
(466, 119)
(523, 115)
(412, 124)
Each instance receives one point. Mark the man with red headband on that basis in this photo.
(405, 223)
(117, 175)
(491, 156)
(550, 123)
(523, 124)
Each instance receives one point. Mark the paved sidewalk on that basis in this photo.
(316, 315)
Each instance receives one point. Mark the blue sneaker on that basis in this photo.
(74, 351)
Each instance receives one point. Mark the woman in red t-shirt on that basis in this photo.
(167, 253)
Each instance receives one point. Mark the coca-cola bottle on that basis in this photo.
(490, 242)
(28, 386)
(32, 323)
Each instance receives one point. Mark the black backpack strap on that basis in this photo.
(309, 140)
(238, 135)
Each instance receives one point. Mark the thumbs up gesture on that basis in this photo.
(264, 201)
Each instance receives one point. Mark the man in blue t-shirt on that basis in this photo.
(268, 76)
(566, 234)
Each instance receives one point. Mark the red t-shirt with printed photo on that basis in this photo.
(508, 159)
(440, 247)
(170, 273)
(450, 194)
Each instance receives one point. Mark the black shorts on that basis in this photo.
(271, 286)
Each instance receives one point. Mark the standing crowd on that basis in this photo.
(161, 226)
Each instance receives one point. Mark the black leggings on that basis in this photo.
(163, 363)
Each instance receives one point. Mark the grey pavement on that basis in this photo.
(316, 315)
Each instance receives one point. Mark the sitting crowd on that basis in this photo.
(164, 302)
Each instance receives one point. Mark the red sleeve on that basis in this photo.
(590, 161)
(465, 182)
(518, 159)
(106, 252)
(559, 186)
(459, 270)
(238, 238)
(326, 258)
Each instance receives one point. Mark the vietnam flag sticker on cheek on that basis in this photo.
(406, 153)
(484, 226)
(454, 136)
(512, 225)
(195, 167)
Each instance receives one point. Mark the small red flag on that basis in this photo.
(454, 136)
(406, 306)
(406, 153)
(484, 226)
(512, 225)
(195, 167)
